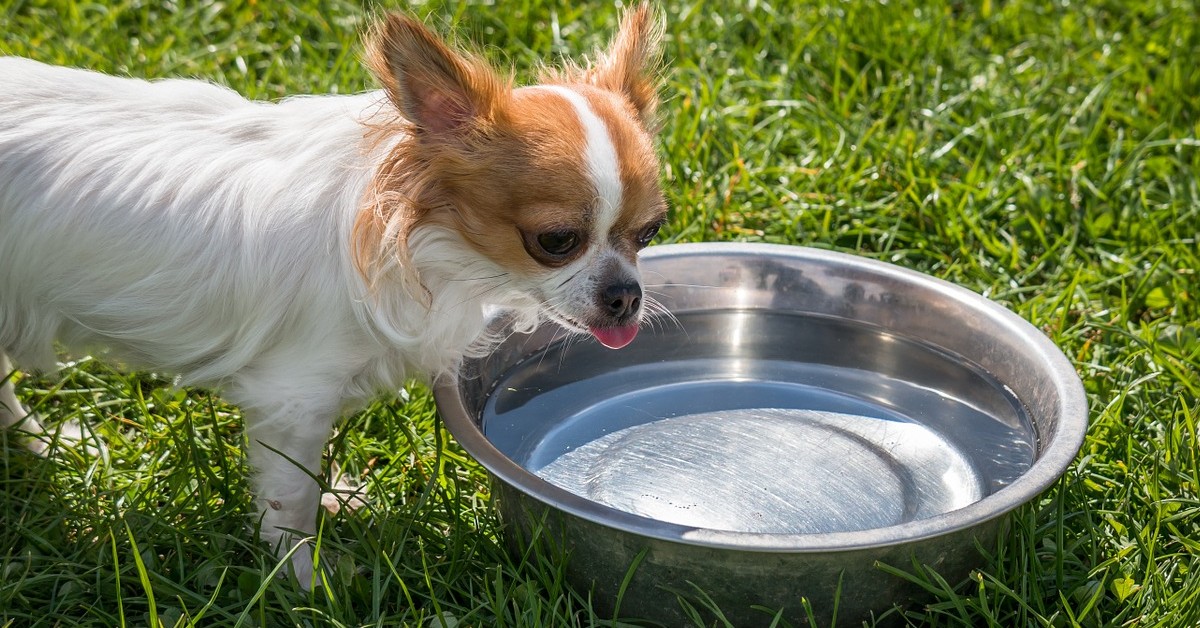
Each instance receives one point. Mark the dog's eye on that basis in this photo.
(558, 243)
(648, 234)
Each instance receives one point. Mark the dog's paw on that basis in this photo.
(47, 441)
(300, 567)
(51, 441)
(296, 555)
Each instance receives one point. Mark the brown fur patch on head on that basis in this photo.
(496, 183)
(630, 66)
(469, 153)
(529, 177)
(446, 103)
(440, 91)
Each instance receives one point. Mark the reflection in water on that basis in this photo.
(772, 471)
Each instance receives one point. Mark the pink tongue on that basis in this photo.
(615, 337)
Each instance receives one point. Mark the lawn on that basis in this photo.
(1044, 154)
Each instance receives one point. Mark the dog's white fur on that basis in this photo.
(189, 230)
(221, 258)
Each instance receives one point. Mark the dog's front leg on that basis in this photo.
(38, 440)
(11, 410)
(285, 451)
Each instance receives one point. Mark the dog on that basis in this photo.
(307, 255)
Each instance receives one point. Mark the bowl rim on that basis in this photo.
(1060, 447)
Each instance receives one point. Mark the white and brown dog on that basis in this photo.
(305, 255)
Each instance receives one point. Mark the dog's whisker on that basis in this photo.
(553, 339)
(476, 296)
(659, 312)
(570, 340)
(568, 279)
(684, 285)
(471, 279)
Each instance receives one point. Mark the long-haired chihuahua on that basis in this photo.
(303, 256)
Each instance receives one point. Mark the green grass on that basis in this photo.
(1042, 153)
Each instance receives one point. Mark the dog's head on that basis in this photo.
(556, 184)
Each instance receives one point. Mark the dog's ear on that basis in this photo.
(440, 91)
(630, 67)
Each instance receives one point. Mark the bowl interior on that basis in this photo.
(763, 421)
(792, 395)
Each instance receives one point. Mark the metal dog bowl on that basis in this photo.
(805, 416)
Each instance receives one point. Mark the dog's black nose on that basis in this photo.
(621, 300)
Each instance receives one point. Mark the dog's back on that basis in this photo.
(158, 219)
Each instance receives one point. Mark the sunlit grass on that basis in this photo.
(1044, 154)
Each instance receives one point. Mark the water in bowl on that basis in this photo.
(763, 422)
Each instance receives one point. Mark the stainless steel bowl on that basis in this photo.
(802, 418)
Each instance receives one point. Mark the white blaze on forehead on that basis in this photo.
(601, 157)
